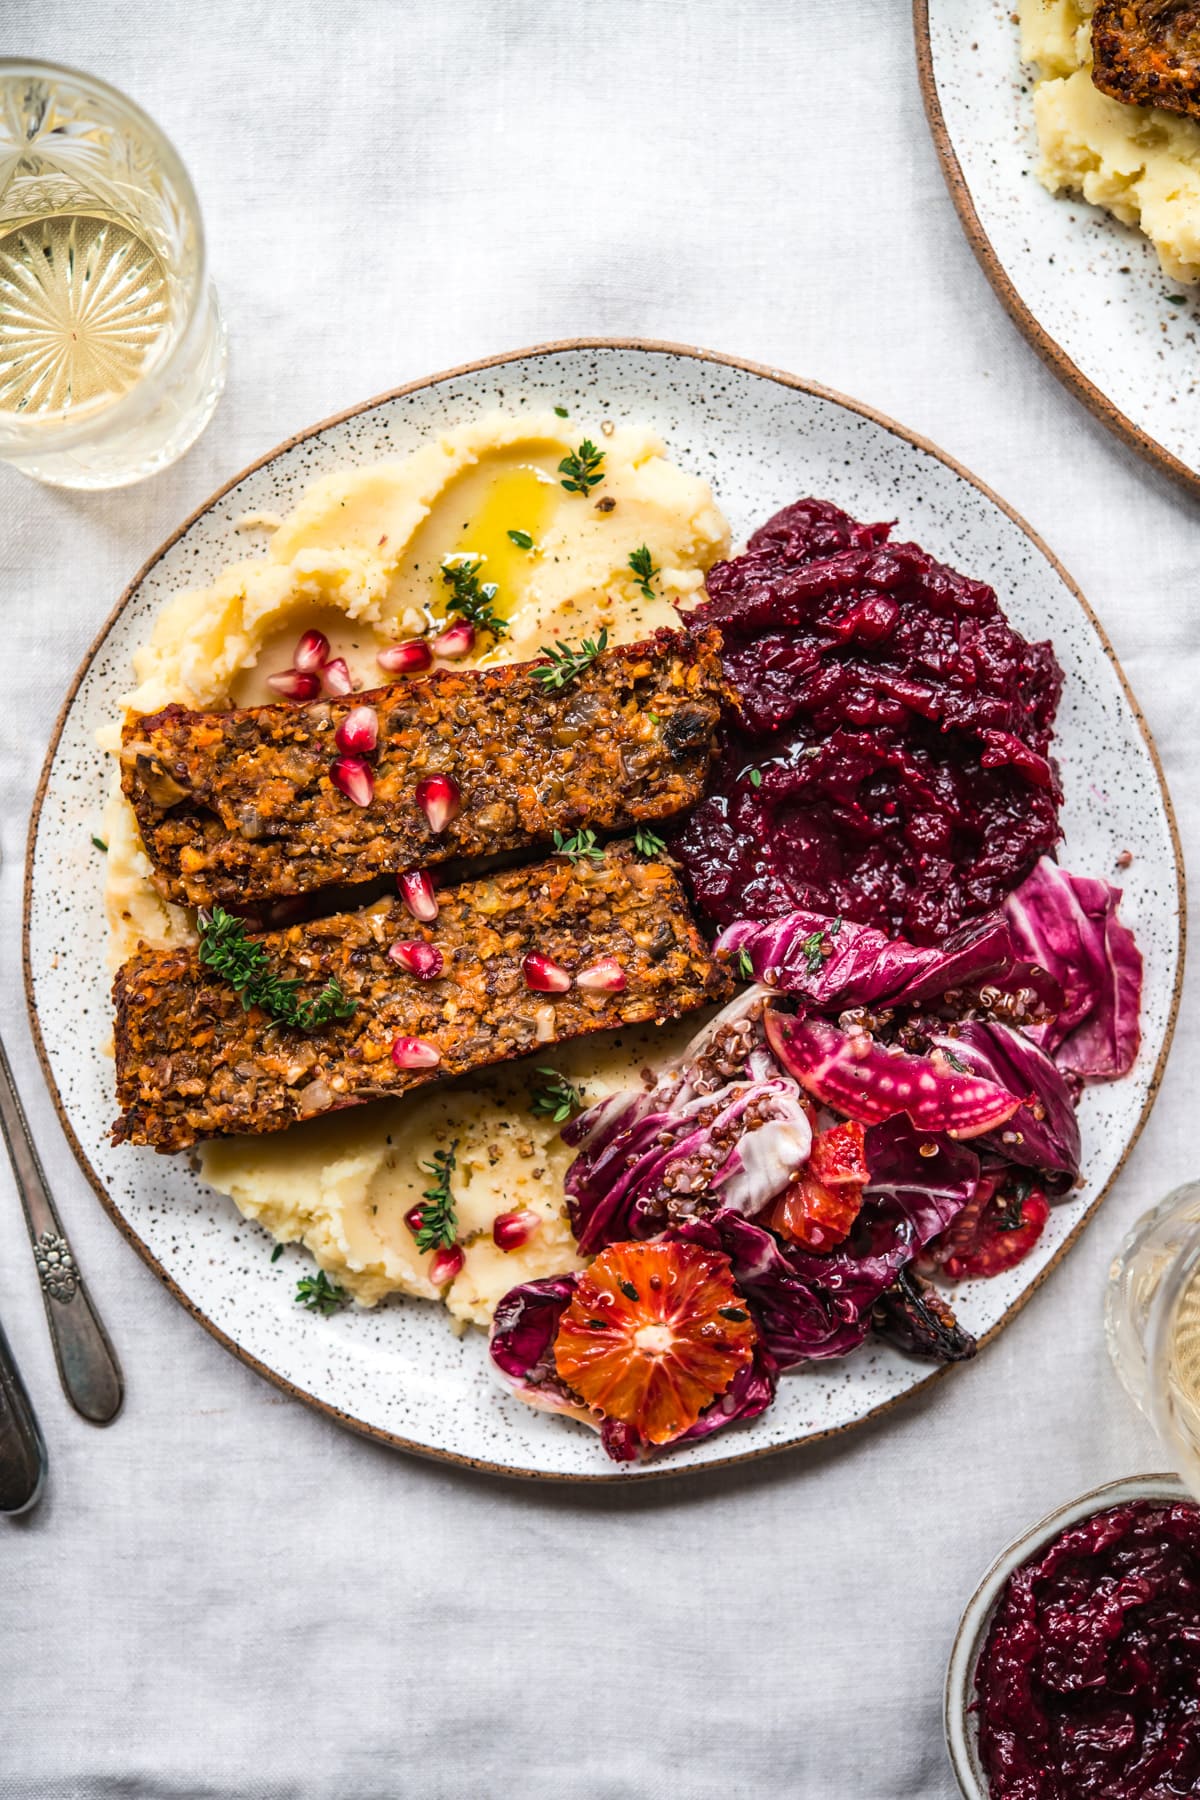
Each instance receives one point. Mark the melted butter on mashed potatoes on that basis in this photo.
(360, 558)
(1139, 162)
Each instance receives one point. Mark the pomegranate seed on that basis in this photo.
(295, 684)
(414, 1218)
(544, 976)
(607, 975)
(337, 677)
(312, 652)
(420, 959)
(416, 890)
(446, 1265)
(457, 640)
(351, 776)
(512, 1229)
(415, 1053)
(439, 798)
(358, 731)
(408, 658)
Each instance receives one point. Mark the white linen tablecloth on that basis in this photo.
(224, 1595)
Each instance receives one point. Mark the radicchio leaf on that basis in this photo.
(733, 1139)
(836, 963)
(1069, 924)
(812, 1307)
(869, 1083)
(1012, 1060)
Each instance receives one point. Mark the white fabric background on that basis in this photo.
(224, 1595)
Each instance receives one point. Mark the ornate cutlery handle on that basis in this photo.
(87, 1365)
(22, 1452)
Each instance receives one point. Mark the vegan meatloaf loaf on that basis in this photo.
(191, 1063)
(243, 806)
(1147, 53)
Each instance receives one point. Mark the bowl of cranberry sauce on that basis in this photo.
(1075, 1672)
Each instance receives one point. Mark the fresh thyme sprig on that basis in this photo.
(813, 947)
(557, 1098)
(582, 468)
(642, 564)
(648, 843)
(439, 1225)
(579, 846)
(472, 597)
(320, 1295)
(226, 949)
(565, 663)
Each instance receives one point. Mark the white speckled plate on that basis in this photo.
(763, 438)
(1087, 291)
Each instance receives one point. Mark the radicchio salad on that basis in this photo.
(888, 1106)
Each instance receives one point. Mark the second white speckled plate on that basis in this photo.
(1087, 291)
(762, 438)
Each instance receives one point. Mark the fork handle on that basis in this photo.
(22, 1452)
(87, 1364)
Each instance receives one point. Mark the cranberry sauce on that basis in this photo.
(1089, 1683)
(891, 759)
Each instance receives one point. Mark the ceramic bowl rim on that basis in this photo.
(960, 1724)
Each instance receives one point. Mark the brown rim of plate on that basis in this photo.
(665, 1469)
(1050, 351)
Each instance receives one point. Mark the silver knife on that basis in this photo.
(87, 1364)
(22, 1451)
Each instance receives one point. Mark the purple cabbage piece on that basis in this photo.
(700, 1130)
(1013, 1061)
(833, 963)
(1069, 924)
(524, 1327)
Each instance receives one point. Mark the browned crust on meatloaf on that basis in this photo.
(238, 807)
(192, 1064)
(1147, 53)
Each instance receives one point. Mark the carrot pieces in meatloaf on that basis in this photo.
(193, 1063)
(260, 803)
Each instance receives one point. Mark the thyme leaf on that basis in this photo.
(556, 1098)
(229, 952)
(745, 965)
(566, 664)
(642, 564)
(579, 846)
(320, 1295)
(647, 843)
(439, 1225)
(471, 597)
(521, 539)
(582, 468)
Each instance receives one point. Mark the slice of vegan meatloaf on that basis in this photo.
(1147, 53)
(244, 806)
(191, 1063)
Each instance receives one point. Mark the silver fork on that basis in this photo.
(87, 1364)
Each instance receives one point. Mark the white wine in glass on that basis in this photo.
(1153, 1324)
(112, 354)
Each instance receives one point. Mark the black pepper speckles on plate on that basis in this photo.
(398, 1372)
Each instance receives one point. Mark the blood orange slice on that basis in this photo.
(653, 1334)
(810, 1213)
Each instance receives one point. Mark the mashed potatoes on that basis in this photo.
(1139, 162)
(360, 558)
